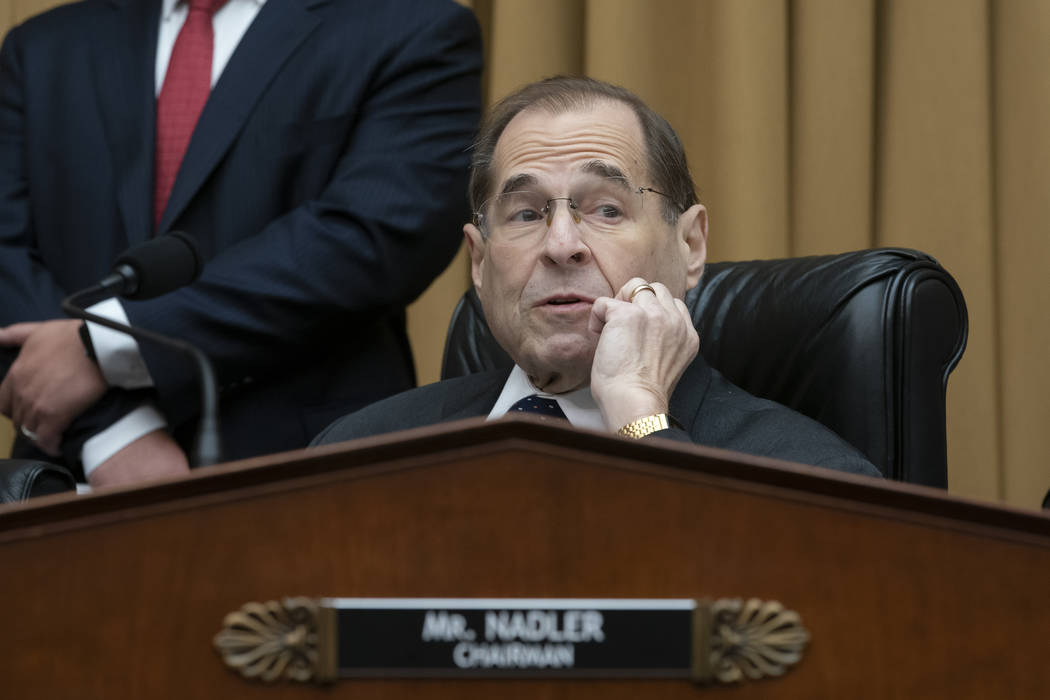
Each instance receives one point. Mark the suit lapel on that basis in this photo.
(689, 395)
(126, 48)
(277, 30)
(473, 395)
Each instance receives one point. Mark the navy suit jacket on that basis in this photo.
(713, 412)
(324, 182)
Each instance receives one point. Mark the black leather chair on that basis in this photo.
(862, 342)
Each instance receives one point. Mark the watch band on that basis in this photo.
(89, 347)
(648, 425)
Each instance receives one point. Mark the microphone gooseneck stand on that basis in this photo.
(208, 447)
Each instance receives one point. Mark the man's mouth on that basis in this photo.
(566, 300)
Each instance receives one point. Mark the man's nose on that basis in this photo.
(564, 243)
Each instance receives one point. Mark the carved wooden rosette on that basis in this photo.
(736, 640)
(291, 640)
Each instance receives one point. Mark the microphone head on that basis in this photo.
(160, 265)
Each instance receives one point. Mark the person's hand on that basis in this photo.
(51, 382)
(153, 456)
(644, 347)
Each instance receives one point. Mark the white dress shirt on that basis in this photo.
(118, 354)
(578, 406)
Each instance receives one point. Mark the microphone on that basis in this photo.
(150, 269)
(147, 270)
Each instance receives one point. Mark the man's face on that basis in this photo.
(537, 283)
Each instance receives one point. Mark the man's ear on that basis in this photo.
(692, 227)
(476, 246)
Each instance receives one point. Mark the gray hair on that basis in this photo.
(564, 93)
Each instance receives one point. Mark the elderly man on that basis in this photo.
(587, 233)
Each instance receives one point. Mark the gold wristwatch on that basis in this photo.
(648, 425)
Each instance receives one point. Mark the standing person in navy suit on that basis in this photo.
(317, 151)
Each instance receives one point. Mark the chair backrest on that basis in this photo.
(862, 342)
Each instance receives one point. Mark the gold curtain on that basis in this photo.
(819, 126)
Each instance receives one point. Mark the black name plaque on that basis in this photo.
(513, 637)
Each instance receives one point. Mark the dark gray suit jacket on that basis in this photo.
(713, 411)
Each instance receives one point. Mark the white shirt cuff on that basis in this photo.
(101, 446)
(117, 353)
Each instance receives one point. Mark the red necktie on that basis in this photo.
(182, 97)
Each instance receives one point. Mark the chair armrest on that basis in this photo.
(22, 479)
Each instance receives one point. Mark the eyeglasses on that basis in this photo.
(604, 205)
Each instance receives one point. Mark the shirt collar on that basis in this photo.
(168, 7)
(578, 406)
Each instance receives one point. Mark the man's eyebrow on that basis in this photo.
(516, 182)
(603, 169)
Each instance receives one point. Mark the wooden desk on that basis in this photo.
(906, 592)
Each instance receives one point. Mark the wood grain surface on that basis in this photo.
(906, 592)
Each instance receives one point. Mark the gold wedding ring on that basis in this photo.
(642, 288)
